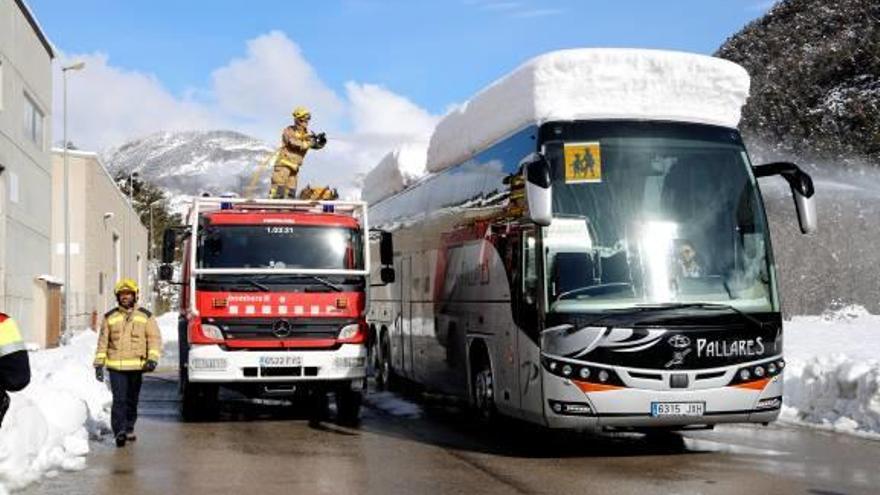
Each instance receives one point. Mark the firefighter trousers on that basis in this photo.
(126, 388)
(284, 182)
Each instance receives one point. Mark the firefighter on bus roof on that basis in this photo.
(128, 345)
(15, 370)
(296, 140)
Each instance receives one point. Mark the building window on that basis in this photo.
(33, 122)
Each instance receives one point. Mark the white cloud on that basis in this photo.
(270, 81)
(253, 94)
(107, 104)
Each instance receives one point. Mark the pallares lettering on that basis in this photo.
(728, 348)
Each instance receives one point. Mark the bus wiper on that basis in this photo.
(701, 305)
(642, 308)
(326, 282)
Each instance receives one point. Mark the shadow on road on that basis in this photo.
(423, 419)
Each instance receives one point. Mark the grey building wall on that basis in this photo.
(108, 241)
(25, 216)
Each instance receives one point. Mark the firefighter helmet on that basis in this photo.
(301, 113)
(126, 285)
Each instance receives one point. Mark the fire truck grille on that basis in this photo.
(282, 329)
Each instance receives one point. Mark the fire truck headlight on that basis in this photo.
(349, 331)
(212, 332)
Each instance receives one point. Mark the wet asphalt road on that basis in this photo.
(429, 448)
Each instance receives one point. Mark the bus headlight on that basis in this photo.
(744, 374)
(584, 373)
(759, 371)
(603, 376)
(566, 370)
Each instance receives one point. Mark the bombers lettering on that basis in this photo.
(730, 348)
(239, 298)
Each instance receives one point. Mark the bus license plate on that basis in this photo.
(280, 361)
(660, 409)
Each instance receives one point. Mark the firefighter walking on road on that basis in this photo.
(15, 369)
(129, 344)
(296, 141)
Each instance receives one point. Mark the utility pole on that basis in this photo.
(67, 291)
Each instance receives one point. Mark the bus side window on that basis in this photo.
(529, 276)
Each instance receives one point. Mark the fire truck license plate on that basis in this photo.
(677, 409)
(280, 361)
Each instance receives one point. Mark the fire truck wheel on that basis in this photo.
(348, 406)
(198, 401)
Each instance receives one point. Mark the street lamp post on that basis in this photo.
(150, 256)
(67, 291)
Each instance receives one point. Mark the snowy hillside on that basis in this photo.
(191, 162)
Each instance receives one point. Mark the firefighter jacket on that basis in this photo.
(128, 338)
(15, 370)
(295, 142)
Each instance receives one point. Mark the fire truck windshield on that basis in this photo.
(280, 247)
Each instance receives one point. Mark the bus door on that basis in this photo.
(526, 304)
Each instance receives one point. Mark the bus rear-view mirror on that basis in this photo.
(801, 189)
(386, 249)
(539, 192)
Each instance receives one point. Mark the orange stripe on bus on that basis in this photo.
(755, 385)
(587, 387)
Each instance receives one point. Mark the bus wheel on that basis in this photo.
(383, 368)
(484, 392)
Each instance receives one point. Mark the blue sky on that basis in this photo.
(434, 52)
(376, 74)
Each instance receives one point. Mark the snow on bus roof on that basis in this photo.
(397, 170)
(590, 84)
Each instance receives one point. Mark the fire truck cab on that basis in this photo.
(273, 301)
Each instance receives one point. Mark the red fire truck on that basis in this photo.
(273, 301)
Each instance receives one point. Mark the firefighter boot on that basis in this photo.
(4, 404)
(120, 439)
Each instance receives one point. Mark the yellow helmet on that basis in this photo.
(301, 113)
(124, 285)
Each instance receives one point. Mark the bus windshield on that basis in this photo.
(654, 213)
(279, 246)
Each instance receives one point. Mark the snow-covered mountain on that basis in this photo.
(192, 162)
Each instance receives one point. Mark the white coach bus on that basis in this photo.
(589, 248)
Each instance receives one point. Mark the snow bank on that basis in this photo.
(586, 84)
(832, 380)
(168, 328)
(397, 170)
(48, 424)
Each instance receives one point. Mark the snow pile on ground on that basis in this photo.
(397, 170)
(168, 328)
(586, 84)
(48, 424)
(832, 380)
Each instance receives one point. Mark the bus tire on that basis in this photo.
(483, 385)
(384, 372)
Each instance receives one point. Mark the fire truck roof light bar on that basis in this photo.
(357, 209)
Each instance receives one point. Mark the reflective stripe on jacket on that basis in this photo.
(128, 339)
(10, 336)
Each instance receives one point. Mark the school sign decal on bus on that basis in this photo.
(589, 248)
